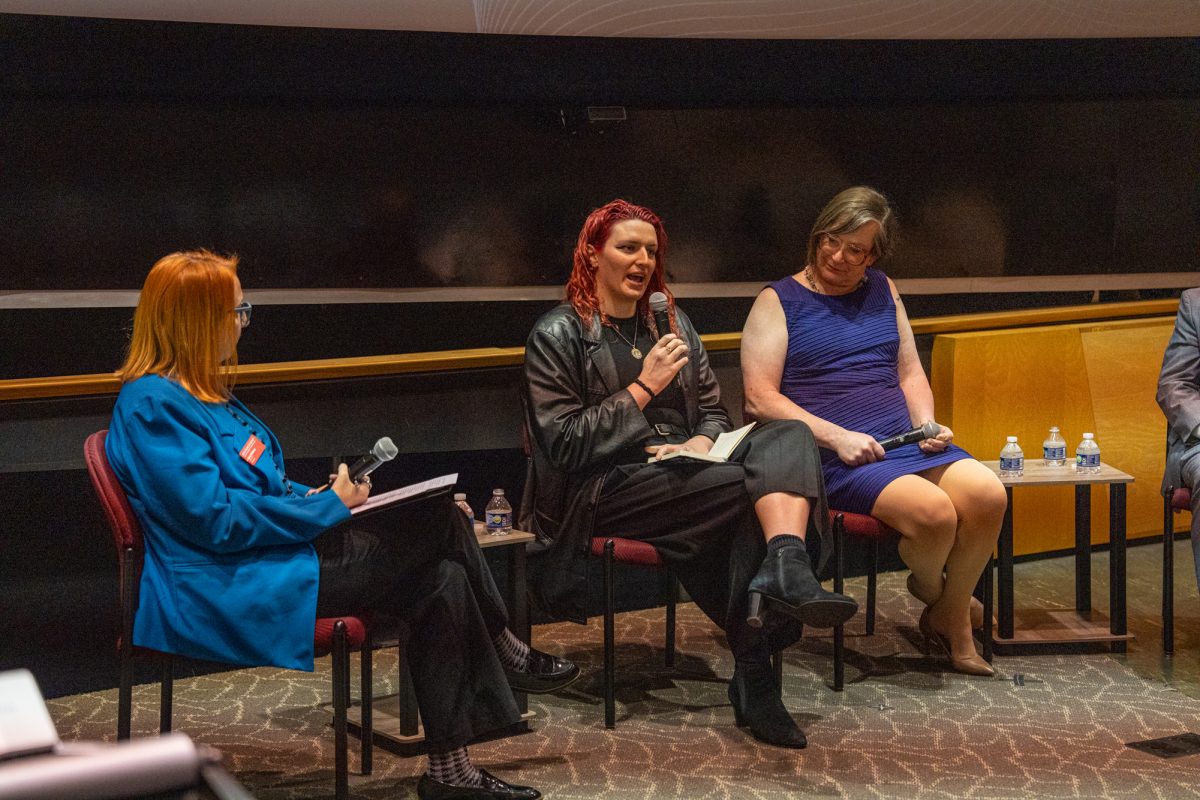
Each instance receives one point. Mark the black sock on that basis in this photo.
(454, 768)
(784, 540)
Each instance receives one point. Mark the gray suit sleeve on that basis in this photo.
(1179, 381)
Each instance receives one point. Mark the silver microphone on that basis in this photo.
(383, 451)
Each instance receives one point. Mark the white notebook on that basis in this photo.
(721, 450)
(25, 725)
(404, 493)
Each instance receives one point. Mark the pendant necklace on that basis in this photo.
(633, 348)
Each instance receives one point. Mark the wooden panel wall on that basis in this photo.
(1088, 377)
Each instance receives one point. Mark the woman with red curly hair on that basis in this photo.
(607, 396)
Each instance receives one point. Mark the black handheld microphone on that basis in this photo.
(662, 321)
(383, 451)
(927, 431)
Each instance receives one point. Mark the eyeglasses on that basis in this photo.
(243, 312)
(852, 254)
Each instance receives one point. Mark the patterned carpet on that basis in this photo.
(905, 727)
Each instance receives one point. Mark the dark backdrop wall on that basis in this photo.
(336, 158)
(321, 194)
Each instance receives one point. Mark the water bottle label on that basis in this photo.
(1012, 464)
(1087, 460)
(1054, 453)
(499, 520)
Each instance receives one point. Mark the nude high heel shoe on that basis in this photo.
(968, 665)
(976, 606)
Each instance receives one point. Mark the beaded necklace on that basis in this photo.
(812, 283)
(287, 484)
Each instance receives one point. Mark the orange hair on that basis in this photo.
(184, 319)
(581, 287)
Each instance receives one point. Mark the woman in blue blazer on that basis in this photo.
(231, 571)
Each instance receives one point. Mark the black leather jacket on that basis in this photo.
(579, 419)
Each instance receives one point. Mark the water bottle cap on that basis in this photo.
(498, 491)
(1054, 429)
(1089, 436)
(1011, 439)
(459, 496)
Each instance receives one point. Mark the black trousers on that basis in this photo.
(700, 517)
(420, 562)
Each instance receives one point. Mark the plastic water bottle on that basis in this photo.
(1087, 455)
(1012, 460)
(1054, 449)
(460, 500)
(498, 514)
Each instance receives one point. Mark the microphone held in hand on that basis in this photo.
(383, 451)
(927, 431)
(662, 321)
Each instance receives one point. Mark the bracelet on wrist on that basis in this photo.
(645, 388)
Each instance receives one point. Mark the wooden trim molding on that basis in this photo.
(480, 357)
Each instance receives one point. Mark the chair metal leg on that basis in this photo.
(125, 646)
(166, 694)
(872, 581)
(1168, 574)
(672, 591)
(366, 691)
(125, 692)
(610, 661)
(340, 660)
(839, 631)
(409, 717)
(989, 572)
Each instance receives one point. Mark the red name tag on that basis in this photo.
(252, 449)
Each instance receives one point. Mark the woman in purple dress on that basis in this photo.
(832, 346)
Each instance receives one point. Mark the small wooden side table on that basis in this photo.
(1041, 626)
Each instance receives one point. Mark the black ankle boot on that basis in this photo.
(786, 578)
(757, 703)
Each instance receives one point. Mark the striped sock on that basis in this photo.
(513, 653)
(454, 768)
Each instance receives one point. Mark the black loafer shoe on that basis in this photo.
(492, 789)
(543, 673)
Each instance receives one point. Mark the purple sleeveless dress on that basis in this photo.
(841, 366)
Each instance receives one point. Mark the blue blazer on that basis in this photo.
(230, 573)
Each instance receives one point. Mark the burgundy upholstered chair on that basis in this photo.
(860, 526)
(336, 636)
(615, 550)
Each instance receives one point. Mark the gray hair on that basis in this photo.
(848, 211)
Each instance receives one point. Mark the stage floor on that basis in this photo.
(1049, 725)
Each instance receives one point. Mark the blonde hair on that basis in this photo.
(183, 322)
(848, 211)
